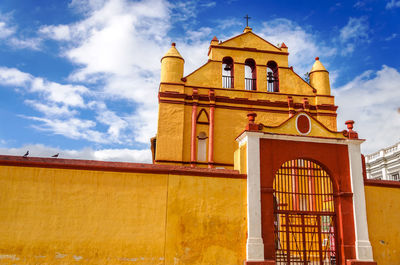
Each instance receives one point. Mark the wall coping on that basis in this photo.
(42, 162)
(382, 183)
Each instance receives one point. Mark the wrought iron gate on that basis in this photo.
(305, 230)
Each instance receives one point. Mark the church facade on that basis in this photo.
(248, 168)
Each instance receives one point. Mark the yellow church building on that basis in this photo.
(248, 168)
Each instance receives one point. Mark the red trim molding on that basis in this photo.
(196, 162)
(193, 134)
(211, 138)
(358, 262)
(382, 183)
(241, 108)
(265, 262)
(242, 101)
(20, 161)
(245, 91)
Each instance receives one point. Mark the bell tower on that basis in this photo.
(202, 113)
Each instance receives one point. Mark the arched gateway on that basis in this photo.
(304, 223)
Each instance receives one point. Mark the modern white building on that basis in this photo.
(384, 164)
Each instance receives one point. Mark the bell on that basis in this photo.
(270, 78)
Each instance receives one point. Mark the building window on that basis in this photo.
(250, 75)
(227, 72)
(395, 176)
(202, 146)
(272, 77)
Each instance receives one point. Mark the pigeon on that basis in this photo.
(26, 154)
(56, 155)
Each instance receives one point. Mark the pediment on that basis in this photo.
(250, 40)
(302, 124)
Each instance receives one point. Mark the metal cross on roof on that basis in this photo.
(247, 20)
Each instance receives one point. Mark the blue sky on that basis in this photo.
(81, 77)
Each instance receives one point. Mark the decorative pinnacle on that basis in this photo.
(349, 124)
(252, 117)
(317, 58)
(173, 44)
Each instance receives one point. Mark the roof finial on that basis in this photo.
(247, 20)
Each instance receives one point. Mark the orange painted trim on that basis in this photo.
(59, 163)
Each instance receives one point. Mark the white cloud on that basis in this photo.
(72, 128)
(302, 43)
(128, 155)
(9, 33)
(356, 28)
(355, 32)
(51, 109)
(5, 30)
(14, 77)
(60, 32)
(114, 122)
(69, 95)
(393, 4)
(30, 43)
(371, 100)
(122, 155)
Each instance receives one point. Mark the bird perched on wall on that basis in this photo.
(26, 154)
(56, 155)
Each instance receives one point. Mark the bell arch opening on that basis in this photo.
(304, 214)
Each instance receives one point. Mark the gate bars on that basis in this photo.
(304, 214)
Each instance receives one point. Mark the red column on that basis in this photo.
(211, 138)
(193, 140)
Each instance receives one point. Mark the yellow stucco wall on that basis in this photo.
(383, 214)
(60, 216)
(172, 121)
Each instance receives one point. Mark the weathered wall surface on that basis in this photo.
(70, 216)
(383, 214)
